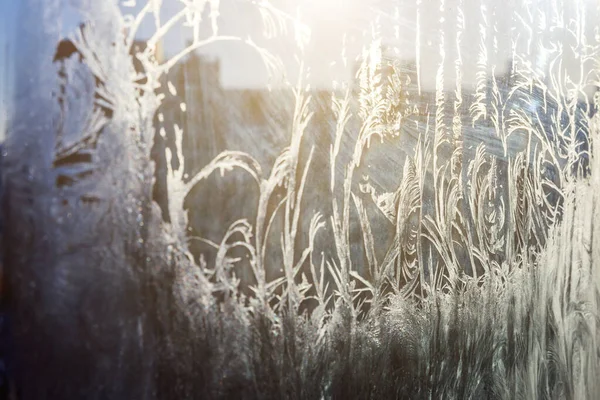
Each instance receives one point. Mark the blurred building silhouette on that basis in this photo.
(197, 83)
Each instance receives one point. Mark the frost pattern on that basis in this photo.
(473, 275)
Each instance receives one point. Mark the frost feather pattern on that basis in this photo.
(470, 273)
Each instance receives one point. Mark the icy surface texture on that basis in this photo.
(420, 226)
